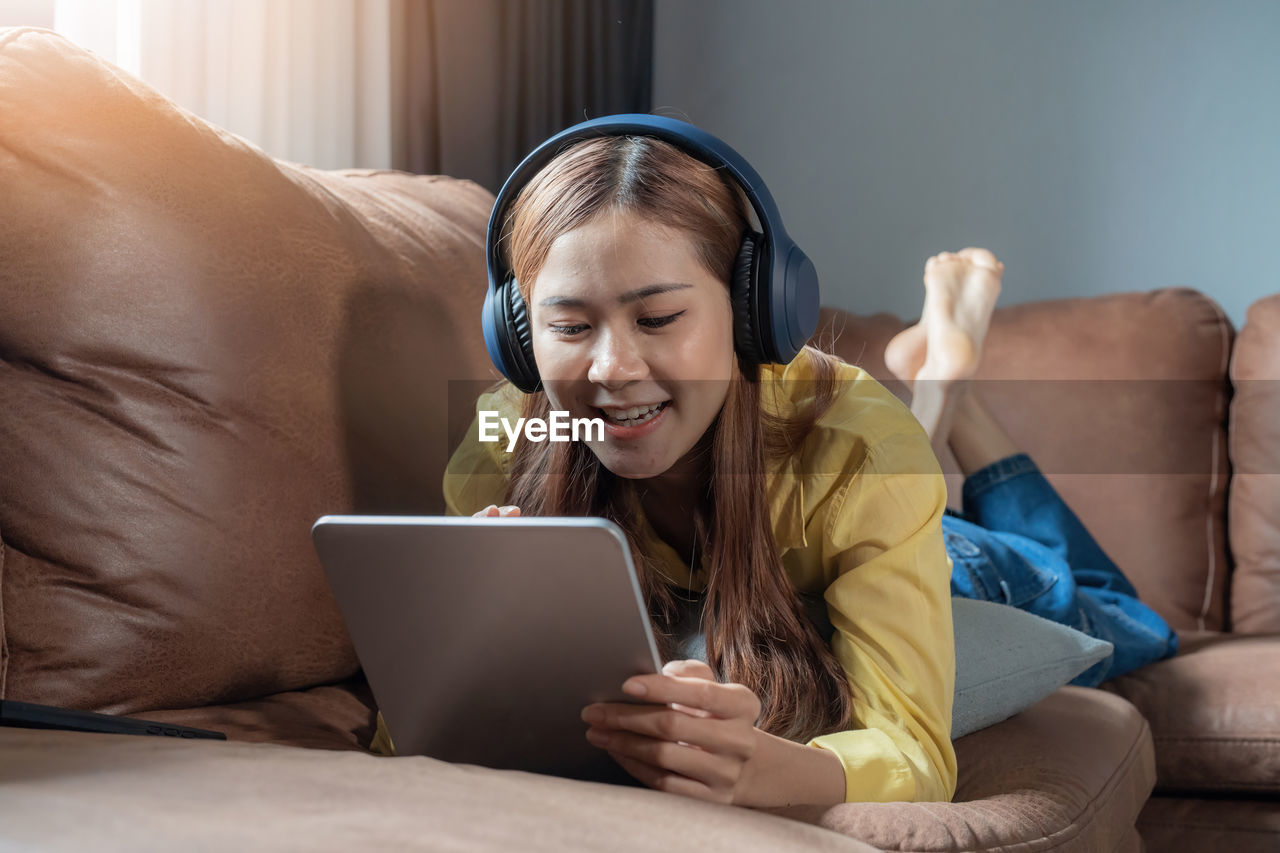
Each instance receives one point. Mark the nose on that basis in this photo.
(616, 360)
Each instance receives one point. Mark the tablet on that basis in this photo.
(483, 638)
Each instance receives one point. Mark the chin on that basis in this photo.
(629, 468)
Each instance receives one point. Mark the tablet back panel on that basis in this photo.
(483, 639)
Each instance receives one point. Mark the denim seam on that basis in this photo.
(998, 472)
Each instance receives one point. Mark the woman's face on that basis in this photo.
(628, 326)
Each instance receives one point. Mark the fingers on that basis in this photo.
(695, 691)
(677, 769)
(672, 783)
(495, 511)
(639, 724)
(689, 669)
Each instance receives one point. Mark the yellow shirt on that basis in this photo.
(857, 515)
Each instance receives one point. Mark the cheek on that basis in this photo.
(704, 350)
(552, 359)
(712, 350)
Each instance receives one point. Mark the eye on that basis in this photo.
(569, 331)
(659, 322)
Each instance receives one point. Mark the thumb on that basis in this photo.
(689, 669)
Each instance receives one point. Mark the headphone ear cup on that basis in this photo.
(520, 336)
(743, 292)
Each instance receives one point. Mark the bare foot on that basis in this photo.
(941, 352)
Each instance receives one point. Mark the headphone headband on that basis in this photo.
(694, 141)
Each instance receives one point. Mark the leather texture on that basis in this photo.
(71, 791)
(744, 294)
(1068, 774)
(1254, 521)
(1190, 825)
(202, 350)
(1122, 401)
(334, 716)
(1214, 711)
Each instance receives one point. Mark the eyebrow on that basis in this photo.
(631, 296)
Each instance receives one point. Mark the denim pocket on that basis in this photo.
(991, 567)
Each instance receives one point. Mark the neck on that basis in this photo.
(673, 501)
(685, 483)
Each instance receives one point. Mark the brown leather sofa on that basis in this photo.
(203, 349)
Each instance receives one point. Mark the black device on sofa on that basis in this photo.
(28, 715)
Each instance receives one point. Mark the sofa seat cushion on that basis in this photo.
(1214, 711)
(138, 793)
(1069, 774)
(335, 716)
(1210, 825)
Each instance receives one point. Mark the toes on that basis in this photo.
(943, 278)
(945, 263)
(981, 258)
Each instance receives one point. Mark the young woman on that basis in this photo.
(746, 489)
(793, 516)
(1015, 542)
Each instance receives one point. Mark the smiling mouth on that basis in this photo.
(633, 416)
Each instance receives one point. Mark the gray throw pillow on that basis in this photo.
(1008, 660)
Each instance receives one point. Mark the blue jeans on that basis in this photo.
(1017, 542)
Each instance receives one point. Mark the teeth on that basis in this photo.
(636, 413)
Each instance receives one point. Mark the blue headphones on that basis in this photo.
(774, 288)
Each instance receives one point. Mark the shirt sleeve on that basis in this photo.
(890, 605)
(476, 475)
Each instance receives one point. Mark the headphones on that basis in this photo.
(773, 288)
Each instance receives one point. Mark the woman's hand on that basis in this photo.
(495, 511)
(698, 738)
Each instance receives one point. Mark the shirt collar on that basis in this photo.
(784, 481)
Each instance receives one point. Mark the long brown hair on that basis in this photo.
(756, 631)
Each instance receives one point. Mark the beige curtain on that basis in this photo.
(306, 80)
(457, 87)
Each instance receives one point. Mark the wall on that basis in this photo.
(1094, 145)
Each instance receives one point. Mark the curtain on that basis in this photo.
(457, 87)
(307, 80)
(477, 84)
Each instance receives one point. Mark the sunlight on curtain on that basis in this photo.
(306, 80)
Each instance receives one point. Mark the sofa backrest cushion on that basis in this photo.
(1122, 401)
(1255, 482)
(202, 350)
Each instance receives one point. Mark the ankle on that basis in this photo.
(977, 439)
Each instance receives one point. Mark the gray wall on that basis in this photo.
(1094, 145)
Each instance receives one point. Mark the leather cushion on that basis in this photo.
(202, 350)
(1255, 482)
(1214, 711)
(334, 716)
(1068, 774)
(1122, 401)
(70, 791)
(1211, 825)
